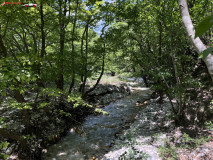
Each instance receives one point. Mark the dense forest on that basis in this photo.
(54, 55)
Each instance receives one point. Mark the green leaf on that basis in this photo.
(206, 52)
(88, 12)
(99, 2)
(43, 104)
(6, 156)
(27, 106)
(4, 145)
(203, 26)
(3, 94)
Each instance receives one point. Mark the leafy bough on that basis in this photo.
(202, 27)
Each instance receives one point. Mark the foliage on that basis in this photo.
(168, 152)
(204, 26)
(206, 52)
(132, 152)
(209, 125)
(144, 45)
(2, 123)
(189, 143)
(3, 145)
(98, 110)
(77, 100)
(48, 54)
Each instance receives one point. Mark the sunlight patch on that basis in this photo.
(62, 154)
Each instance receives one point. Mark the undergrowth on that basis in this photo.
(132, 153)
(168, 152)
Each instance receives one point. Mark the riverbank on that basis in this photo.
(96, 135)
(135, 127)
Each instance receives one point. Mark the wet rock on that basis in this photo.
(105, 94)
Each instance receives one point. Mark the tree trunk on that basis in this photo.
(3, 51)
(82, 50)
(99, 78)
(197, 43)
(39, 82)
(85, 61)
(73, 48)
(160, 58)
(178, 83)
(60, 80)
(25, 112)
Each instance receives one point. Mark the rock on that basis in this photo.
(147, 134)
(104, 94)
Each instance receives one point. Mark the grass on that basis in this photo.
(169, 151)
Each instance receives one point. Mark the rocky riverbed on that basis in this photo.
(145, 135)
(96, 135)
(134, 127)
(106, 93)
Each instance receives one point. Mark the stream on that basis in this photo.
(96, 135)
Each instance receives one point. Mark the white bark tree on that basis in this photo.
(196, 42)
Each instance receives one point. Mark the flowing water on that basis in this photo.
(95, 136)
